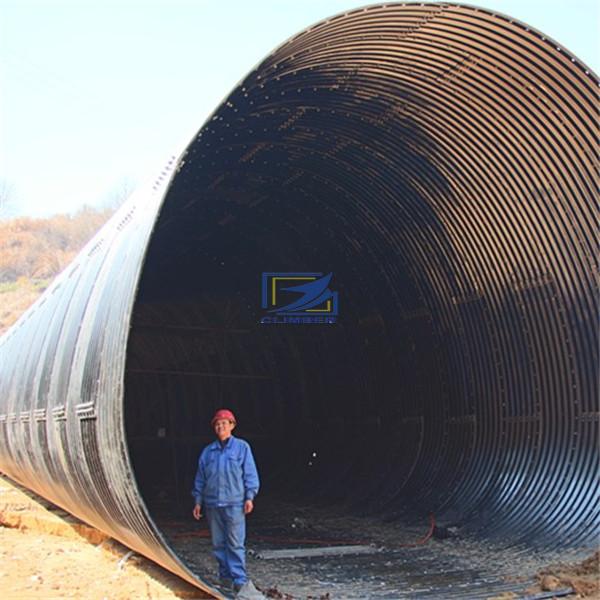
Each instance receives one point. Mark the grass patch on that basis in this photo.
(36, 285)
(8, 286)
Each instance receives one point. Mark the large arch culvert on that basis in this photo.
(438, 160)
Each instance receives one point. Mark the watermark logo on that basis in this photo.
(298, 298)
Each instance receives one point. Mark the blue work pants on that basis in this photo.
(228, 531)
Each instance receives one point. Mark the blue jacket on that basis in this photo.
(227, 475)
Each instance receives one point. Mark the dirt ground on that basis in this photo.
(47, 553)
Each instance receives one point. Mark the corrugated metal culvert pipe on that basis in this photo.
(439, 161)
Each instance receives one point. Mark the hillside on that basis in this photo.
(34, 251)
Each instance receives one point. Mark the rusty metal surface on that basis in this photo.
(440, 161)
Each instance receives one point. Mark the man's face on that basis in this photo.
(223, 428)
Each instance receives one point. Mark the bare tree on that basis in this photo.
(8, 205)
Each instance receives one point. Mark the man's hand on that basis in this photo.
(248, 507)
(197, 511)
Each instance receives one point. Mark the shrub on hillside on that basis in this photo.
(42, 248)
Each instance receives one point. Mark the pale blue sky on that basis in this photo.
(95, 93)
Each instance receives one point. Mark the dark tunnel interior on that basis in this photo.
(197, 344)
(376, 412)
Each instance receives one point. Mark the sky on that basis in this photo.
(96, 95)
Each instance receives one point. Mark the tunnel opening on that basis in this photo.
(444, 225)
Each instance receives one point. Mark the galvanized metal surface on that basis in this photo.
(439, 159)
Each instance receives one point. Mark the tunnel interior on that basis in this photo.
(461, 263)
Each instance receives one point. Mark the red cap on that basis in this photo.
(223, 413)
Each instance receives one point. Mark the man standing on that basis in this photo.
(225, 485)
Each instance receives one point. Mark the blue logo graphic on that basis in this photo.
(298, 298)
